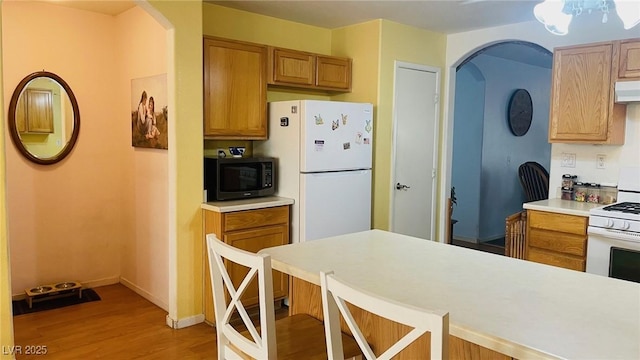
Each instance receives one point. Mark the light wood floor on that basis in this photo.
(123, 325)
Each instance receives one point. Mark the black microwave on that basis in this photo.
(238, 178)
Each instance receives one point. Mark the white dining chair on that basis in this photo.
(336, 294)
(293, 337)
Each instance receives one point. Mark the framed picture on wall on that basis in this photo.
(149, 111)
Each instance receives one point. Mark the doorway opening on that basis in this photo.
(486, 152)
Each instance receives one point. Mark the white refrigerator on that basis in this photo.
(324, 156)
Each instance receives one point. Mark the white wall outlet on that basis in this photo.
(601, 161)
(568, 160)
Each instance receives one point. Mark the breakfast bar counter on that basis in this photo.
(513, 307)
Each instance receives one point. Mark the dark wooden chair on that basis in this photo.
(534, 179)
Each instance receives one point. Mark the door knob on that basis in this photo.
(402, 187)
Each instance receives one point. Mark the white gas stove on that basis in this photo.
(622, 216)
(613, 247)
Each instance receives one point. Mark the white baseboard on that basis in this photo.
(101, 282)
(185, 322)
(495, 237)
(145, 294)
(87, 284)
(467, 239)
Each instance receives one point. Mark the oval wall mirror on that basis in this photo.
(44, 119)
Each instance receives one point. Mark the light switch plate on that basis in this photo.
(601, 161)
(568, 160)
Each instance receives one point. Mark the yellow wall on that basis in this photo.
(409, 44)
(374, 47)
(6, 320)
(184, 19)
(245, 26)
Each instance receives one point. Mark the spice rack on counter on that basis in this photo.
(587, 192)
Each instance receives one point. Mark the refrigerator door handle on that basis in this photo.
(402, 186)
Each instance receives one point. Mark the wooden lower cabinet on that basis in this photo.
(557, 239)
(381, 333)
(250, 230)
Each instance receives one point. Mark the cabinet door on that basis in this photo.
(293, 67)
(629, 60)
(333, 72)
(39, 111)
(255, 240)
(582, 95)
(235, 90)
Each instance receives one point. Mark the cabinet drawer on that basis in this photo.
(556, 241)
(555, 259)
(557, 222)
(256, 218)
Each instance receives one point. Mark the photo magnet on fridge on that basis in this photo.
(358, 137)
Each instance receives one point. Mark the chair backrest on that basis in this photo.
(337, 293)
(534, 179)
(263, 344)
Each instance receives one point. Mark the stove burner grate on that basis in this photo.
(625, 207)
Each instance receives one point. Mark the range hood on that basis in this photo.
(627, 91)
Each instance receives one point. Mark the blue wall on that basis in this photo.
(500, 194)
(467, 150)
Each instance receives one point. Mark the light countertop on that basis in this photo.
(519, 308)
(568, 207)
(246, 204)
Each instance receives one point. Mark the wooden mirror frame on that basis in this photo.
(13, 130)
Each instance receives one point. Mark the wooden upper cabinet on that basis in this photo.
(582, 96)
(629, 59)
(293, 68)
(235, 90)
(333, 72)
(34, 112)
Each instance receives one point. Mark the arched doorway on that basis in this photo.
(486, 153)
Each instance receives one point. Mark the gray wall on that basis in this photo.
(502, 153)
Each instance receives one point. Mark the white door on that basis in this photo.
(334, 203)
(416, 115)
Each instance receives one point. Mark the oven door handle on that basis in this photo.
(614, 234)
